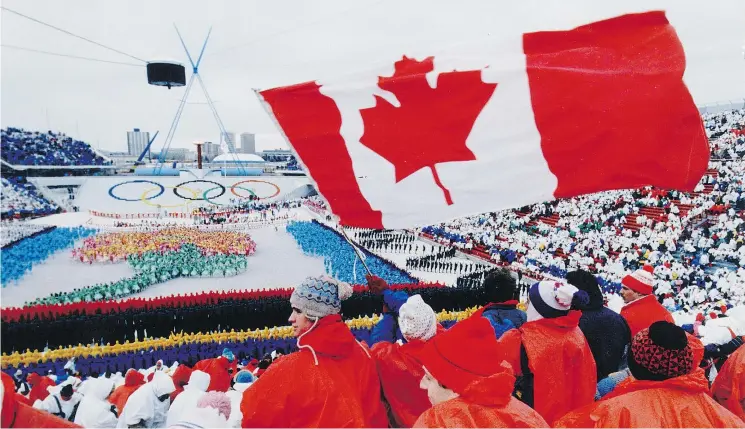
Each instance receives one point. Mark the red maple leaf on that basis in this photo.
(431, 125)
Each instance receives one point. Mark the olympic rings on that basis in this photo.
(167, 206)
(235, 185)
(111, 190)
(148, 195)
(175, 189)
(204, 195)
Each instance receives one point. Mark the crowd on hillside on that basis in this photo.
(21, 147)
(496, 367)
(21, 199)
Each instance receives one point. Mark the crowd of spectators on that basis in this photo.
(21, 147)
(21, 199)
(495, 367)
(695, 242)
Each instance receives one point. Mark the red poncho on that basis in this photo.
(640, 314)
(330, 382)
(677, 402)
(565, 376)
(401, 372)
(39, 386)
(729, 387)
(484, 404)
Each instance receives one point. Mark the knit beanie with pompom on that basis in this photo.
(321, 296)
(660, 352)
(552, 299)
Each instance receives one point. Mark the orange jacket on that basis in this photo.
(132, 381)
(15, 414)
(677, 402)
(330, 382)
(400, 372)
(565, 376)
(217, 368)
(640, 314)
(729, 387)
(486, 403)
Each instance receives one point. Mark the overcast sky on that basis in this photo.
(263, 44)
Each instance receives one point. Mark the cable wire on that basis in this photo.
(21, 48)
(71, 34)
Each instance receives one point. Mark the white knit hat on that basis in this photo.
(416, 319)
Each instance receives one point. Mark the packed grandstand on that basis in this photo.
(642, 290)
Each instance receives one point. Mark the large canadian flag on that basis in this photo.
(547, 115)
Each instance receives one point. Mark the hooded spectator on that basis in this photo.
(219, 369)
(330, 382)
(39, 386)
(729, 386)
(550, 382)
(466, 385)
(243, 380)
(211, 411)
(132, 381)
(148, 405)
(61, 403)
(399, 367)
(500, 290)
(94, 410)
(14, 413)
(180, 379)
(642, 308)
(196, 388)
(667, 388)
(605, 330)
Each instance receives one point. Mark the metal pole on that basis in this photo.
(356, 250)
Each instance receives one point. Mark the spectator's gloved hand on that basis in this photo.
(376, 284)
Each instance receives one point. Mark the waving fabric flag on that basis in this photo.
(549, 115)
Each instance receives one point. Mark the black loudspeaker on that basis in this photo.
(166, 74)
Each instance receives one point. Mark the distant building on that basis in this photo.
(210, 150)
(178, 154)
(230, 140)
(137, 142)
(248, 143)
(276, 155)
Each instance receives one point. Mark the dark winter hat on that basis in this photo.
(584, 280)
(500, 286)
(660, 352)
(67, 390)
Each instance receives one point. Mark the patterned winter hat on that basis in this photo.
(416, 319)
(320, 296)
(640, 281)
(660, 352)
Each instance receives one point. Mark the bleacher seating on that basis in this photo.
(21, 147)
(21, 199)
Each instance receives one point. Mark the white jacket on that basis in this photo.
(236, 396)
(187, 400)
(144, 404)
(94, 410)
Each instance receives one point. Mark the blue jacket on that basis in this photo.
(496, 313)
(387, 328)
